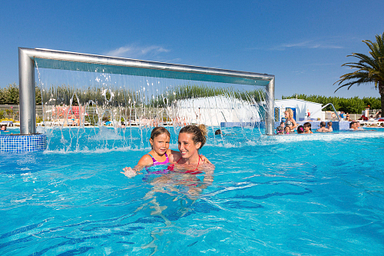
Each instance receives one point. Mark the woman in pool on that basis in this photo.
(188, 161)
(191, 139)
(290, 121)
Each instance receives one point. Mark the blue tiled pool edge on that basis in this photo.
(23, 143)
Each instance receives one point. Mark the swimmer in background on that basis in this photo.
(4, 128)
(300, 129)
(280, 129)
(218, 132)
(329, 126)
(287, 130)
(307, 128)
(322, 127)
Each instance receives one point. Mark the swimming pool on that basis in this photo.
(319, 194)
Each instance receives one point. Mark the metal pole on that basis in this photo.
(270, 113)
(27, 94)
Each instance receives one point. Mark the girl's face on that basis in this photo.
(307, 128)
(286, 114)
(160, 143)
(187, 146)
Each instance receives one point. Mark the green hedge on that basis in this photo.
(353, 105)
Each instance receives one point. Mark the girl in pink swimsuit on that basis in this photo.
(159, 155)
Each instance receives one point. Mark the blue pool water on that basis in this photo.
(320, 194)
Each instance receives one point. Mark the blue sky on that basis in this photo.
(302, 43)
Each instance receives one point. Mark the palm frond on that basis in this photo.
(369, 68)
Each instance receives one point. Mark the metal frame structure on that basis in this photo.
(103, 64)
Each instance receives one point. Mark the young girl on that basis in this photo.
(307, 128)
(287, 130)
(159, 155)
(280, 129)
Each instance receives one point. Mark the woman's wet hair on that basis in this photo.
(158, 131)
(199, 133)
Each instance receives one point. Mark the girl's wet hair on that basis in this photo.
(199, 133)
(300, 129)
(290, 112)
(158, 131)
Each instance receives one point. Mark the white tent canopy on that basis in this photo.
(214, 110)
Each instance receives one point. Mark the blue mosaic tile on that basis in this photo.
(23, 143)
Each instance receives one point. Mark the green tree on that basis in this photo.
(370, 68)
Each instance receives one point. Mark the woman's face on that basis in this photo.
(286, 113)
(187, 146)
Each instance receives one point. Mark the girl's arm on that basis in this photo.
(144, 161)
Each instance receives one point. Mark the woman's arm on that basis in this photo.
(294, 124)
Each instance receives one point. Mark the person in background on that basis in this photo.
(353, 126)
(218, 132)
(307, 128)
(329, 126)
(322, 127)
(347, 118)
(300, 129)
(290, 121)
(280, 128)
(3, 128)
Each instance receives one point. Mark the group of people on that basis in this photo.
(289, 126)
(355, 126)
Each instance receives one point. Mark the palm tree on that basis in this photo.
(370, 68)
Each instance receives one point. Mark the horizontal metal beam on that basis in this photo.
(54, 59)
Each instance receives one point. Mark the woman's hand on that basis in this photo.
(205, 160)
(129, 172)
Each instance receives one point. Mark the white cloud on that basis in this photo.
(136, 51)
(310, 44)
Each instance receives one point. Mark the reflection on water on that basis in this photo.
(172, 195)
